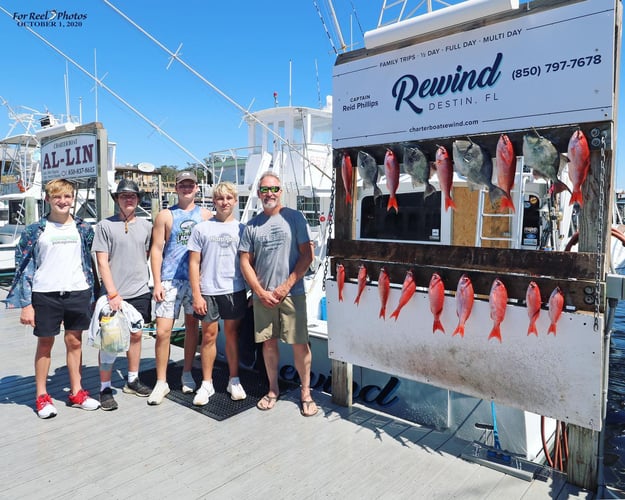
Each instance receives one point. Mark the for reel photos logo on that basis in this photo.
(49, 19)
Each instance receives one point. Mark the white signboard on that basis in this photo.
(545, 69)
(557, 376)
(69, 157)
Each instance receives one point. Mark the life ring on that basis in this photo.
(575, 238)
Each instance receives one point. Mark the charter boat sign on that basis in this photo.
(472, 82)
(69, 157)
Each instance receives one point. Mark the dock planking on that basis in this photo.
(167, 451)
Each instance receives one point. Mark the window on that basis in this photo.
(419, 218)
(310, 208)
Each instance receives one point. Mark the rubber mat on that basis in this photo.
(220, 406)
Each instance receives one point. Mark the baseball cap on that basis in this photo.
(185, 175)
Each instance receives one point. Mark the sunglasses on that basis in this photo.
(268, 189)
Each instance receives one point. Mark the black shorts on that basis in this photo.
(228, 306)
(73, 309)
(143, 305)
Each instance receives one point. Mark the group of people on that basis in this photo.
(201, 262)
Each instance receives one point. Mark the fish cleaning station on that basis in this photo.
(474, 179)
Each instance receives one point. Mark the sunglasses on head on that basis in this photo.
(269, 189)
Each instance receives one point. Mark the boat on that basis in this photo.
(294, 143)
(21, 186)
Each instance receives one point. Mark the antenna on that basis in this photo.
(318, 87)
(66, 79)
(95, 72)
(290, 79)
(339, 34)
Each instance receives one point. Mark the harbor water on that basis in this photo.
(614, 439)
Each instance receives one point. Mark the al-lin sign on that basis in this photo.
(69, 157)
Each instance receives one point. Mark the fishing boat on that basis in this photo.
(21, 191)
(294, 143)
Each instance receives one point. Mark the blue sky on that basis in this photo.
(243, 48)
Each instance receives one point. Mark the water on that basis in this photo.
(614, 435)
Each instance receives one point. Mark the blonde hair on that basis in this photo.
(224, 188)
(59, 187)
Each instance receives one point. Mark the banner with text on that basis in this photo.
(551, 68)
(69, 157)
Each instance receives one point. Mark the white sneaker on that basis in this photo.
(203, 394)
(45, 408)
(82, 400)
(235, 389)
(187, 382)
(161, 389)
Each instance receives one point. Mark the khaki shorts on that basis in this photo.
(287, 321)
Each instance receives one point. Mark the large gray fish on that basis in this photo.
(418, 167)
(542, 156)
(475, 163)
(368, 170)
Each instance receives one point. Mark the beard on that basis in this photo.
(269, 203)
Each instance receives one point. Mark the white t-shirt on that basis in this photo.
(218, 244)
(59, 268)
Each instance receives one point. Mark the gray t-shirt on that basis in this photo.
(127, 253)
(275, 241)
(217, 242)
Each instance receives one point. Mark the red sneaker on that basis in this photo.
(45, 408)
(82, 400)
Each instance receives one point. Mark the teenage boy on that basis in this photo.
(218, 288)
(169, 259)
(121, 244)
(53, 284)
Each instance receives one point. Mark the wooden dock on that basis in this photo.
(169, 451)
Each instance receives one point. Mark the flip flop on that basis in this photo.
(269, 402)
(305, 409)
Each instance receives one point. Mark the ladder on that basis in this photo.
(253, 205)
(515, 218)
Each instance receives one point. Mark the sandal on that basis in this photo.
(305, 409)
(267, 402)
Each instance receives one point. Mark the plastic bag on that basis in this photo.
(114, 333)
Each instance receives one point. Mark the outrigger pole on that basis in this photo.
(111, 91)
(174, 56)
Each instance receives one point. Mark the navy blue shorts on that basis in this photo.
(143, 305)
(228, 306)
(73, 309)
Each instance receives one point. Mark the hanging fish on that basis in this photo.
(497, 300)
(347, 172)
(556, 304)
(533, 302)
(436, 294)
(391, 171)
(542, 156)
(445, 173)
(475, 163)
(579, 164)
(505, 166)
(340, 279)
(407, 291)
(384, 288)
(418, 167)
(362, 282)
(368, 170)
(464, 303)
